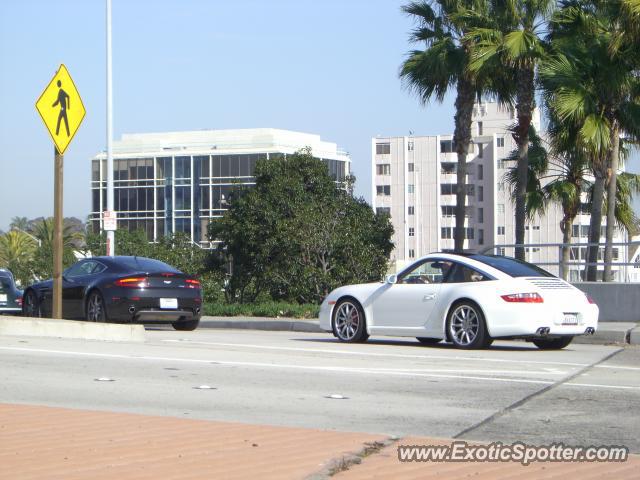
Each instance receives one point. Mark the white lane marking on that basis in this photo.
(616, 367)
(598, 385)
(372, 371)
(376, 354)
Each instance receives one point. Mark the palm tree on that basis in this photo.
(443, 26)
(16, 252)
(590, 83)
(19, 223)
(514, 41)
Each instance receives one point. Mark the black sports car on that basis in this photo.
(121, 289)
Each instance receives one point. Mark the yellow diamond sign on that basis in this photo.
(61, 109)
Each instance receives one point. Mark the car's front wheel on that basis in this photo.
(552, 343)
(466, 326)
(31, 305)
(96, 311)
(185, 325)
(348, 322)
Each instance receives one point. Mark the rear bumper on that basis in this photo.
(11, 310)
(147, 310)
(164, 316)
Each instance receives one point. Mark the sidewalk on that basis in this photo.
(608, 332)
(58, 443)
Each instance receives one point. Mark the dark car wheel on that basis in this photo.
(96, 311)
(31, 305)
(349, 323)
(552, 343)
(466, 326)
(186, 325)
(428, 340)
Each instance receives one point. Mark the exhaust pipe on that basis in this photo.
(197, 310)
(590, 331)
(132, 309)
(543, 331)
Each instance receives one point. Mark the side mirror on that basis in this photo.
(391, 279)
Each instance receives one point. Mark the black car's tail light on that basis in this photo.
(192, 283)
(132, 282)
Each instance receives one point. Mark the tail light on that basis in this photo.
(132, 282)
(192, 283)
(531, 297)
(19, 301)
(590, 299)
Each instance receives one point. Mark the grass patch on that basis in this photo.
(264, 309)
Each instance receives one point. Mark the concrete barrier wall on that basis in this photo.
(45, 327)
(618, 302)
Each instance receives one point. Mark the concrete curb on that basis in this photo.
(258, 323)
(44, 327)
(608, 332)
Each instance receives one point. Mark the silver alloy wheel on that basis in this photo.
(465, 325)
(347, 321)
(95, 308)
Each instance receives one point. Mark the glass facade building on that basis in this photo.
(180, 181)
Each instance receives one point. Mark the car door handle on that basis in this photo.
(428, 297)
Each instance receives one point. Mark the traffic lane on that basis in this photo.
(264, 381)
(577, 413)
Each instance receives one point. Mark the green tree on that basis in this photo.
(444, 27)
(17, 251)
(20, 223)
(515, 42)
(590, 81)
(42, 229)
(297, 235)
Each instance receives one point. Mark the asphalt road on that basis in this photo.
(583, 395)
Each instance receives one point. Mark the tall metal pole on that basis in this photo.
(110, 234)
(57, 235)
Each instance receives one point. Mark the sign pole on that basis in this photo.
(111, 247)
(57, 234)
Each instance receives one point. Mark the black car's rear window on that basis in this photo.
(141, 264)
(511, 266)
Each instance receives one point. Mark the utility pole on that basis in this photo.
(110, 233)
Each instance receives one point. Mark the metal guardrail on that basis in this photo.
(579, 264)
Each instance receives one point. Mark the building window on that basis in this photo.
(410, 167)
(383, 169)
(412, 231)
(446, 232)
(480, 129)
(500, 230)
(480, 236)
(481, 150)
(411, 188)
(410, 146)
(501, 251)
(448, 211)
(383, 210)
(480, 193)
(411, 210)
(383, 148)
(500, 142)
(480, 215)
(501, 208)
(480, 172)
(448, 168)
(412, 253)
(446, 146)
(383, 190)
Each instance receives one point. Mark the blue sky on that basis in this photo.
(328, 67)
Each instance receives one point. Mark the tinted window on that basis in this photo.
(144, 264)
(5, 284)
(511, 266)
(463, 274)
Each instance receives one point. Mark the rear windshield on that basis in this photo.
(144, 264)
(5, 284)
(511, 266)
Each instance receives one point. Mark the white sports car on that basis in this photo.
(466, 299)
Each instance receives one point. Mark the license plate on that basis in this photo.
(3, 298)
(570, 319)
(169, 303)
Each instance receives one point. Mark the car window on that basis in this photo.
(5, 284)
(511, 266)
(463, 274)
(145, 264)
(429, 271)
(81, 268)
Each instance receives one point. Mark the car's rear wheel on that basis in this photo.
(348, 322)
(466, 326)
(31, 305)
(186, 325)
(428, 340)
(96, 311)
(552, 343)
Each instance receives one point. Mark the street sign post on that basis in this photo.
(62, 112)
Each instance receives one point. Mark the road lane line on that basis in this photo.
(598, 385)
(375, 354)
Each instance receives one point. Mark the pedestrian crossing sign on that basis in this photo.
(61, 109)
